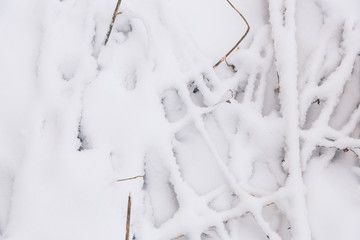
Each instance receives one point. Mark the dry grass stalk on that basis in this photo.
(241, 39)
(347, 149)
(178, 237)
(128, 218)
(126, 179)
(112, 21)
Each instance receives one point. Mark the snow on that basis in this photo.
(340, 195)
(265, 148)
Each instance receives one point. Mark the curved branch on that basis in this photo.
(241, 39)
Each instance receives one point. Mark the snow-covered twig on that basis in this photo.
(285, 46)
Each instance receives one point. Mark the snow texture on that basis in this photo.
(265, 146)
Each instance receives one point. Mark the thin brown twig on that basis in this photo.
(128, 218)
(131, 178)
(178, 237)
(347, 149)
(112, 21)
(352, 150)
(241, 39)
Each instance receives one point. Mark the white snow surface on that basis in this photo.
(265, 148)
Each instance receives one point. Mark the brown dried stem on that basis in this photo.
(352, 150)
(178, 237)
(241, 39)
(126, 179)
(112, 21)
(347, 149)
(128, 218)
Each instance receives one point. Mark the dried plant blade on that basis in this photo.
(112, 21)
(241, 39)
(131, 178)
(128, 218)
